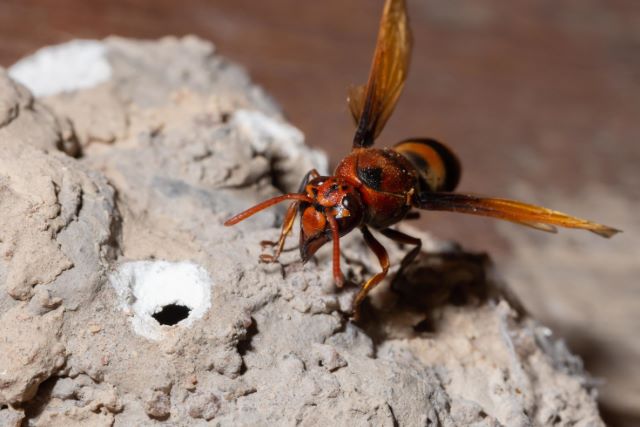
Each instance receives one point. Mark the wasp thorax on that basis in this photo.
(332, 198)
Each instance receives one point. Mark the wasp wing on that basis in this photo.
(510, 210)
(538, 226)
(372, 105)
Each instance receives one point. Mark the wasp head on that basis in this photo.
(331, 197)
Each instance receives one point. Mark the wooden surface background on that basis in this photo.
(543, 94)
(538, 91)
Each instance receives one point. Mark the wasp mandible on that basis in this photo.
(376, 188)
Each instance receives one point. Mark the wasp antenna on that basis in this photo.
(264, 205)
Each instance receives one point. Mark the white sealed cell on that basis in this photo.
(78, 64)
(262, 131)
(162, 295)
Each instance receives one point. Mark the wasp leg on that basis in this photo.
(383, 257)
(335, 236)
(289, 219)
(287, 225)
(400, 237)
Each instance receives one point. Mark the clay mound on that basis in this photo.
(125, 301)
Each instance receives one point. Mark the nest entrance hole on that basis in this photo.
(172, 314)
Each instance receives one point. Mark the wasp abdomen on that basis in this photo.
(437, 166)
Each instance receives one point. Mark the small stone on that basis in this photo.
(241, 390)
(191, 382)
(42, 302)
(205, 406)
(64, 388)
(158, 405)
(10, 417)
(328, 357)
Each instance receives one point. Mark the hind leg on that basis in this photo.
(401, 237)
(383, 257)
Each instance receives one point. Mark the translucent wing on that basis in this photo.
(372, 105)
(533, 216)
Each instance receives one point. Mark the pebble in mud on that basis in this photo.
(204, 405)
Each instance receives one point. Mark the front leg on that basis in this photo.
(287, 225)
(338, 278)
(383, 257)
(289, 219)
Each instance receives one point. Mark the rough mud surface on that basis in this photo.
(176, 141)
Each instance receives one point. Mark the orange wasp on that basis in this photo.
(376, 188)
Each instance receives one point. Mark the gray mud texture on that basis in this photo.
(112, 200)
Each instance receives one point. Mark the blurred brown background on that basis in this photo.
(540, 98)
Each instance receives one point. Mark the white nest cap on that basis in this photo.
(144, 288)
(78, 64)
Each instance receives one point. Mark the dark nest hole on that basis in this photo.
(172, 314)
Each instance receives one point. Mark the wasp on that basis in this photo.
(375, 188)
